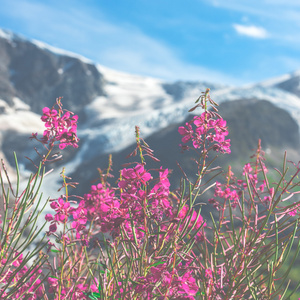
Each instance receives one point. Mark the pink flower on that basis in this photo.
(53, 227)
(59, 128)
(52, 281)
(247, 169)
(49, 217)
(179, 287)
(212, 131)
(293, 212)
(187, 132)
(208, 273)
(262, 186)
(132, 178)
(227, 193)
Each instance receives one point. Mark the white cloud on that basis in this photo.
(280, 17)
(251, 31)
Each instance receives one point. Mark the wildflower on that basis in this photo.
(49, 217)
(208, 273)
(171, 283)
(208, 130)
(293, 212)
(60, 127)
(132, 178)
(226, 191)
(187, 132)
(247, 169)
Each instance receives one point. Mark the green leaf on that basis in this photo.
(94, 296)
(55, 251)
(139, 229)
(158, 263)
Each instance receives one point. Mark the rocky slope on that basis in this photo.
(248, 121)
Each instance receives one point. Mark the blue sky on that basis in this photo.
(224, 41)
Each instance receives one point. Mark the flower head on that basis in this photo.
(60, 126)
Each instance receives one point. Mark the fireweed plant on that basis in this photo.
(138, 239)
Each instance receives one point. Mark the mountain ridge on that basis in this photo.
(109, 103)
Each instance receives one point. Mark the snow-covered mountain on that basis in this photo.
(109, 103)
(33, 74)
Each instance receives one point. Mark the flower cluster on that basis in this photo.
(232, 188)
(26, 279)
(138, 239)
(63, 211)
(134, 201)
(75, 292)
(173, 286)
(125, 209)
(100, 206)
(207, 130)
(60, 127)
(112, 209)
(227, 192)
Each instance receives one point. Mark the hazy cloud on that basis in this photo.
(126, 46)
(120, 46)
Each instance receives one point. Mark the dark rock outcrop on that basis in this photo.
(38, 77)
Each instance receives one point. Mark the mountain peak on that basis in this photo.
(289, 82)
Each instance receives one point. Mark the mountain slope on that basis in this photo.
(109, 103)
(38, 76)
(247, 122)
